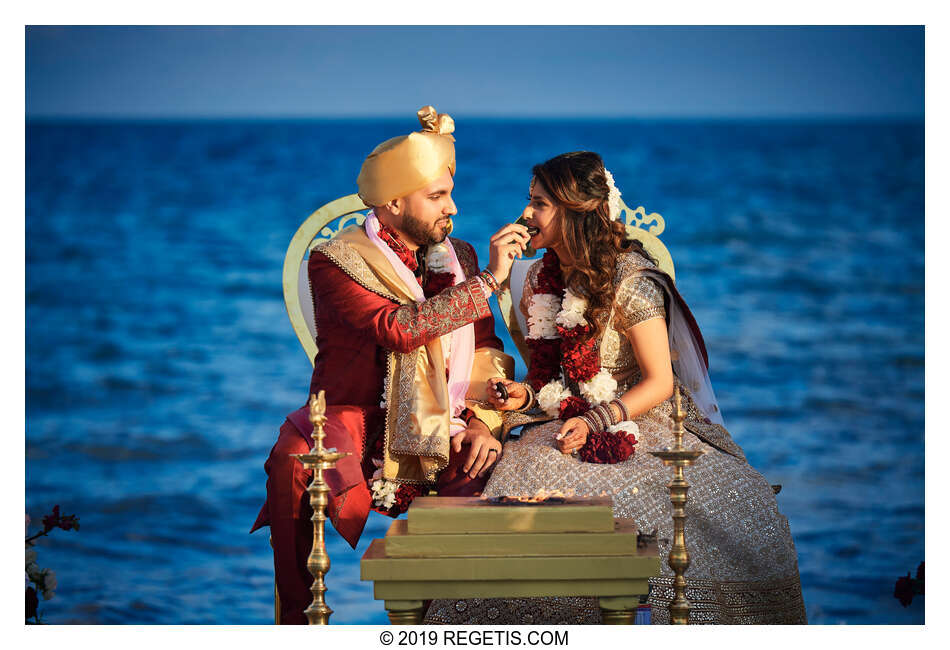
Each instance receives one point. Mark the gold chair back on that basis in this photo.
(320, 226)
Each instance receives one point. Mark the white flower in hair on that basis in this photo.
(551, 395)
(613, 197)
(542, 312)
(437, 259)
(572, 311)
(601, 388)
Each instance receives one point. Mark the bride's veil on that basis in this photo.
(688, 360)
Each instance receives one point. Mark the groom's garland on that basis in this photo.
(558, 335)
(391, 498)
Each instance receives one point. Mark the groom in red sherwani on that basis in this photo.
(406, 343)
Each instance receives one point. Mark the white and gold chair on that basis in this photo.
(646, 228)
(320, 226)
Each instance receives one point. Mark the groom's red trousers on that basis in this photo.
(289, 512)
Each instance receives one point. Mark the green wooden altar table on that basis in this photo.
(460, 547)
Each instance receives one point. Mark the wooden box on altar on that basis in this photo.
(444, 515)
(462, 547)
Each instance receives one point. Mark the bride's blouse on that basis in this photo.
(636, 299)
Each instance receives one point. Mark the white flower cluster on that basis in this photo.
(384, 493)
(44, 579)
(543, 309)
(438, 260)
(545, 313)
(572, 311)
(613, 197)
(550, 397)
(627, 426)
(601, 388)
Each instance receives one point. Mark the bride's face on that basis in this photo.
(541, 214)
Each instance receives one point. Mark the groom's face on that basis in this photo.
(427, 213)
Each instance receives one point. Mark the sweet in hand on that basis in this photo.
(511, 396)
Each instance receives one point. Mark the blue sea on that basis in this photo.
(160, 361)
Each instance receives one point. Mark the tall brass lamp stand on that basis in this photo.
(679, 457)
(318, 459)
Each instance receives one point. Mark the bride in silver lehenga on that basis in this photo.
(743, 564)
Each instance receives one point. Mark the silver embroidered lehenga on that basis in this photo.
(743, 564)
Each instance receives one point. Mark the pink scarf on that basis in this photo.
(460, 354)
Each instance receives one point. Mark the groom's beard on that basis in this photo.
(425, 235)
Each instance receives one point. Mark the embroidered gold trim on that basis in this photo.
(402, 368)
(351, 263)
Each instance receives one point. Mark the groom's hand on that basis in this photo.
(483, 452)
(506, 244)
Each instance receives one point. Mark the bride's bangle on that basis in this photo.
(529, 403)
(596, 417)
(622, 408)
(600, 418)
(589, 421)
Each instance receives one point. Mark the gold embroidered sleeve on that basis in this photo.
(637, 299)
(419, 323)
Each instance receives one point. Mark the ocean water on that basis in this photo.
(160, 361)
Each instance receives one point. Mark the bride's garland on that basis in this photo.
(558, 335)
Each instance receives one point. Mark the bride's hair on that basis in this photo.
(577, 183)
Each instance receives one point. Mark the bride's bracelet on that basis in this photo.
(530, 402)
(589, 421)
(596, 420)
(624, 413)
(601, 417)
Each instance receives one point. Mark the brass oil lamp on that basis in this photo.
(679, 458)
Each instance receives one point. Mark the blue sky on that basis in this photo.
(559, 71)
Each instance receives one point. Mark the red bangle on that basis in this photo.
(624, 413)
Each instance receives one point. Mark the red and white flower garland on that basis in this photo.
(558, 336)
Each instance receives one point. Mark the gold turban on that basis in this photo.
(406, 163)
